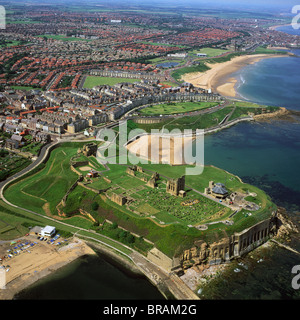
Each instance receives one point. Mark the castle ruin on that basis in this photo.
(119, 199)
(89, 149)
(176, 187)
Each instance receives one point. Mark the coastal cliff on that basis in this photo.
(267, 116)
(278, 225)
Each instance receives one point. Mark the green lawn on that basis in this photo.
(201, 67)
(159, 60)
(63, 38)
(243, 108)
(27, 88)
(211, 52)
(10, 43)
(189, 122)
(264, 50)
(93, 81)
(175, 108)
(48, 186)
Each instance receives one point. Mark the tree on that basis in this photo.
(95, 206)
(114, 225)
(130, 238)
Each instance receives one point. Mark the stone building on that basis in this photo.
(119, 199)
(152, 181)
(131, 170)
(176, 186)
(89, 149)
(216, 190)
(231, 247)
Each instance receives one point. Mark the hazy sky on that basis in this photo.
(233, 3)
(285, 5)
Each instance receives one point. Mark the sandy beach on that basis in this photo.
(277, 26)
(38, 262)
(218, 79)
(160, 149)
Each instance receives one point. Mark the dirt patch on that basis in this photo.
(86, 168)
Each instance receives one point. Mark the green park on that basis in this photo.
(175, 108)
(93, 81)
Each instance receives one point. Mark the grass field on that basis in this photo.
(264, 50)
(10, 43)
(204, 121)
(211, 52)
(160, 60)
(189, 122)
(27, 88)
(175, 108)
(42, 191)
(93, 81)
(63, 38)
(201, 67)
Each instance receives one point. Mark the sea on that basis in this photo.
(265, 154)
(92, 277)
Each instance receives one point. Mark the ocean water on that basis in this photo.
(265, 154)
(273, 81)
(288, 29)
(91, 278)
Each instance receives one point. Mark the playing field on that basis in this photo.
(210, 52)
(93, 81)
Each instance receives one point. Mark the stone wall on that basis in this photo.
(162, 260)
(232, 247)
(118, 198)
(64, 199)
(147, 120)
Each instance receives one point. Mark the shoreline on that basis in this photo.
(219, 77)
(277, 26)
(43, 259)
(173, 153)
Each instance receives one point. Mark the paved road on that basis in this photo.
(30, 167)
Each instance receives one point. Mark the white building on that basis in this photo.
(178, 55)
(48, 231)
